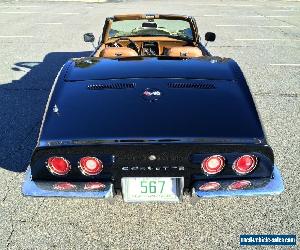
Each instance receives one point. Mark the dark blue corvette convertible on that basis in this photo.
(151, 114)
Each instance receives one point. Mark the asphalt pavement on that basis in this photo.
(37, 37)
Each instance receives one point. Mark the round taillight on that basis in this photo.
(213, 164)
(90, 165)
(210, 186)
(244, 164)
(237, 185)
(58, 165)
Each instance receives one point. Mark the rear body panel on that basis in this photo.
(172, 160)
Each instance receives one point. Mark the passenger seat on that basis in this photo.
(116, 52)
(185, 51)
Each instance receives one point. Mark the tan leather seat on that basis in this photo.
(185, 51)
(115, 52)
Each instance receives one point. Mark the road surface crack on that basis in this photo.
(8, 242)
(6, 191)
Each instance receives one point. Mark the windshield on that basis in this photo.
(178, 29)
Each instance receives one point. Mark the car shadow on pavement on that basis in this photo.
(22, 105)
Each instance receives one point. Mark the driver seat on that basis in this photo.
(117, 52)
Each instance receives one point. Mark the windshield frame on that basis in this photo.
(109, 21)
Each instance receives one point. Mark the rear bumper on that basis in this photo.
(105, 190)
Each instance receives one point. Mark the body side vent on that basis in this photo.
(111, 86)
(191, 85)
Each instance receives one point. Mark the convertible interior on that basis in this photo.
(142, 35)
(148, 46)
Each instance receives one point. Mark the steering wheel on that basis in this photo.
(132, 44)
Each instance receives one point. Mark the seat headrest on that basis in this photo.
(185, 51)
(115, 52)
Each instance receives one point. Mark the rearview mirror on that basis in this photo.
(149, 25)
(89, 37)
(210, 36)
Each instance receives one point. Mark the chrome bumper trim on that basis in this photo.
(273, 186)
(45, 188)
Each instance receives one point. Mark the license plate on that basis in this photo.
(143, 189)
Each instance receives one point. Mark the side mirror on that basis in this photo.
(89, 37)
(210, 36)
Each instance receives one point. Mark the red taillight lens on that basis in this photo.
(90, 165)
(244, 164)
(237, 185)
(64, 186)
(213, 164)
(94, 186)
(210, 186)
(58, 165)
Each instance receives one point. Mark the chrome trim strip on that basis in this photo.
(274, 187)
(146, 140)
(44, 188)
